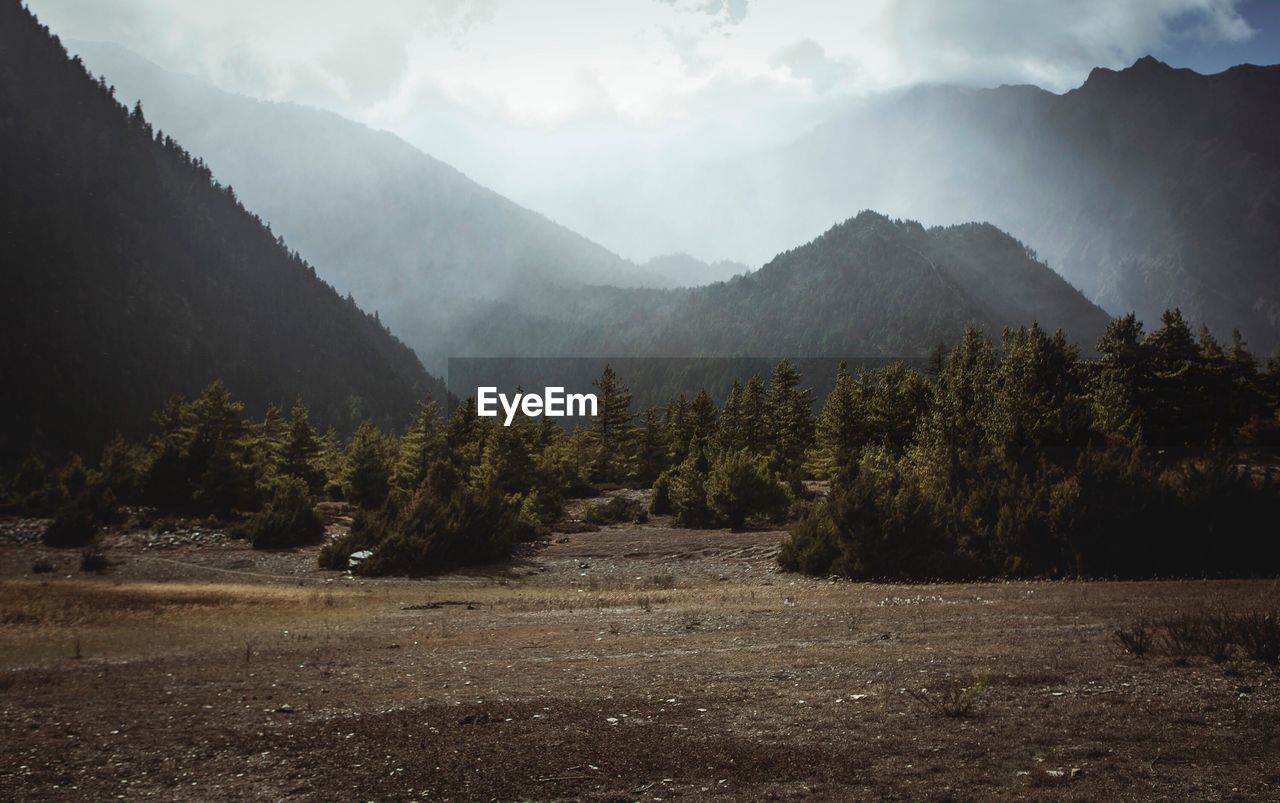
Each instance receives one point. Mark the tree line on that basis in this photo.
(1014, 459)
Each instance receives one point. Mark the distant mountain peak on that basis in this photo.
(1145, 70)
(1150, 62)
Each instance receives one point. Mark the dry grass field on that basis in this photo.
(634, 663)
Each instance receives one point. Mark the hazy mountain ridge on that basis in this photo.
(686, 270)
(406, 234)
(134, 276)
(1148, 187)
(868, 287)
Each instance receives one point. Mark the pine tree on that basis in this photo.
(841, 430)
(612, 427)
(221, 455)
(679, 428)
(740, 485)
(752, 413)
(688, 492)
(421, 446)
(651, 447)
(273, 431)
(702, 416)
(1038, 401)
(952, 440)
(300, 451)
(369, 467)
(1122, 384)
(729, 434)
(789, 419)
(1174, 420)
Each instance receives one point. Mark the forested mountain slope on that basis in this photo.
(130, 274)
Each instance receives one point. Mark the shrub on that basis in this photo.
(1136, 639)
(94, 561)
(740, 485)
(1259, 635)
(1184, 635)
(617, 510)
(73, 527)
(688, 491)
(336, 554)
(289, 519)
(660, 497)
(953, 700)
(1217, 637)
(813, 546)
(446, 524)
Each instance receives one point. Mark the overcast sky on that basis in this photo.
(520, 93)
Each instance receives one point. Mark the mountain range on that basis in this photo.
(868, 287)
(138, 271)
(1147, 187)
(404, 233)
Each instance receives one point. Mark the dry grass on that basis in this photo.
(667, 667)
(46, 620)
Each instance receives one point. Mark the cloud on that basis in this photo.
(807, 60)
(645, 57)
(529, 96)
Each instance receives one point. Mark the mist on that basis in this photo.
(520, 99)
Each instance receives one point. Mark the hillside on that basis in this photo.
(406, 234)
(872, 286)
(868, 287)
(131, 274)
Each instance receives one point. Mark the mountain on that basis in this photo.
(1147, 187)
(868, 287)
(684, 270)
(130, 274)
(406, 234)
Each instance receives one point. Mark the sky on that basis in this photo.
(529, 96)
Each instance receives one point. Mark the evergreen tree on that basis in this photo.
(612, 427)
(223, 452)
(729, 431)
(679, 426)
(753, 415)
(369, 467)
(1039, 407)
(420, 447)
(702, 416)
(273, 432)
(300, 450)
(740, 485)
(1175, 419)
(688, 493)
(1122, 383)
(789, 419)
(651, 447)
(952, 439)
(841, 430)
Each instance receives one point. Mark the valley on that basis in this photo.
(635, 662)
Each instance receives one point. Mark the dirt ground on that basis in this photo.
(639, 662)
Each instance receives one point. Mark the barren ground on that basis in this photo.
(635, 663)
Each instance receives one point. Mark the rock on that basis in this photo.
(356, 558)
(284, 708)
